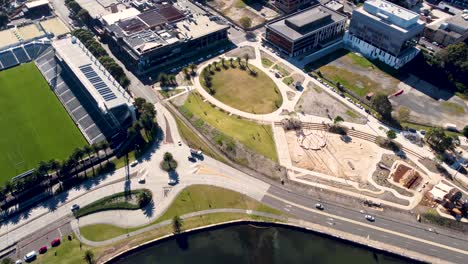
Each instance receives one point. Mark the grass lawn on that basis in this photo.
(35, 126)
(257, 137)
(288, 80)
(453, 108)
(170, 93)
(194, 141)
(266, 63)
(352, 114)
(359, 84)
(239, 89)
(68, 252)
(282, 70)
(193, 198)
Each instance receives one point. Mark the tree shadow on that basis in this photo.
(148, 210)
(182, 241)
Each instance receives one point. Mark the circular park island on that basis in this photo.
(242, 86)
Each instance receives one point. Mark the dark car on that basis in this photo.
(412, 130)
(191, 159)
(43, 250)
(55, 242)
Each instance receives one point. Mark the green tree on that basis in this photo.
(3, 19)
(88, 150)
(177, 224)
(163, 79)
(138, 103)
(437, 139)
(193, 67)
(186, 72)
(231, 60)
(84, 16)
(465, 131)
(168, 163)
(89, 257)
(7, 261)
(337, 120)
(96, 148)
(245, 22)
(104, 146)
(391, 134)
(403, 114)
(382, 105)
(144, 198)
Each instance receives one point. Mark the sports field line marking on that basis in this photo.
(371, 226)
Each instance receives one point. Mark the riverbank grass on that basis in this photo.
(191, 199)
(254, 136)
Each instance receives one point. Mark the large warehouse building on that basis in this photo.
(306, 31)
(385, 31)
(161, 36)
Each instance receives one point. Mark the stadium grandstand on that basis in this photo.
(95, 101)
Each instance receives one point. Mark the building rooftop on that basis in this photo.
(105, 90)
(94, 8)
(389, 13)
(14, 36)
(334, 5)
(7, 38)
(303, 23)
(123, 14)
(36, 3)
(161, 26)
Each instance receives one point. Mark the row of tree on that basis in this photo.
(145, 119)
(41, 176)
(87, 38)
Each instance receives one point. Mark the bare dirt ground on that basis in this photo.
(240, 52)
(429, 104)
(315, 101)
(236, 9)
(348, 158)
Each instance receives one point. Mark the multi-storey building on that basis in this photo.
(306, 31)
(385, 31)
(161, 36)
(289, 6)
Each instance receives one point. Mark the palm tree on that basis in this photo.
(54, 165)
(104, 146)
(88, 150)
(172, 79)
(96, 148)
(246, 58)
(215, 64)
(238, 60)
(193, 67)
(223, 60)
(78, 155)
(186, 73)
(43, 168)
(231, 60)
(162, 78)
(89, 257)
(177, 223)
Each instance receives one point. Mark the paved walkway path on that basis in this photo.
(169, 222)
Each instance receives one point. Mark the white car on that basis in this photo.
(319, 206)
(172, 182)
(370, 218)
(134, 163)
(19, 261)
(179, 143)
(74, 207)
(30, 256)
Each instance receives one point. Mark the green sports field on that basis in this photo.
(34, 126)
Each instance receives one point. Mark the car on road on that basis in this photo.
(423, 132)
(74, 207)
(55, 242)
(191, 159)
(179, 143)
(172, 182)
(134, 163)
(370, 218)
(43, 250)
(30, 256)
(142, 179)
(319, 206)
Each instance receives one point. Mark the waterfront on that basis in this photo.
(257, 244)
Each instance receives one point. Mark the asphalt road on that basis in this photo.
(415, 233)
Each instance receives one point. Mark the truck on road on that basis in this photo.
(196, 152)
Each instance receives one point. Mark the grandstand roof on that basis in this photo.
(98, 82)
(7, 38)
(55, 26)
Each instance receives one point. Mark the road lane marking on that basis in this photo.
(371, 226)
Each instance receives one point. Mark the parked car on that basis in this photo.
(74, 207)
(134, 163)
(142, 179)
(319, 206)
(423, 132)
(191, 159)
(30, 256)
(412, 130)
(43, 250)
(179, 143)
(370, 218)
(55, 242)
(19, 261)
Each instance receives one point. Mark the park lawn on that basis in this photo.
(288, 80)
(192, 199)
(194, 141)
(281, 69)
(453, 108)
(239, 89)
(256, 137)
(35, 126)
(266, 63)
(68, 252)
(359, 84)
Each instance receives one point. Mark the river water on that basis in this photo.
(245, 243)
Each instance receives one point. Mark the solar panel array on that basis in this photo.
(97, 82)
